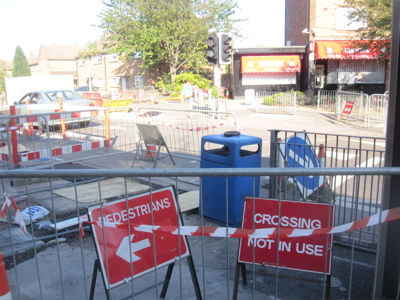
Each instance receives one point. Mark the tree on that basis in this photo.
(377, 14)
(20, 64)
(90, 51)
(165, 32)
(3, 75)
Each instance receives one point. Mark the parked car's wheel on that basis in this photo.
(51, 127)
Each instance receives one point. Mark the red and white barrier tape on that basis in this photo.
(197, 129)
(152, 120)
(8, 200)
(379, 218)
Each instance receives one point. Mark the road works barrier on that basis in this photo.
(104, 131)
(64, 268)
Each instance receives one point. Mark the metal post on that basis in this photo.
(63, 127)
(107, 141)
(14, 137)
(273, 163)
(387, 275)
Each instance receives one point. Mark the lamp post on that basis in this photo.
(310, 59)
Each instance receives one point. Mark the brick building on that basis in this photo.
(55, 60)
(332, 62)
(107, 71)
(110, 73)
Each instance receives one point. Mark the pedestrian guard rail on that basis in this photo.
(271, 102)
(277, 103)
(60, 260)
(366, 109)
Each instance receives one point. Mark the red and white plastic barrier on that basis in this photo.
(379, 218)
(28, 131)
(33, 155)
(59, 116)
(8, 200)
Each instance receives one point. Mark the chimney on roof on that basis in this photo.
(31, 53)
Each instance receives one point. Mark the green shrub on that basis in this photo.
(300, 98)
(275, 99)
(280, 99)
(180, 79)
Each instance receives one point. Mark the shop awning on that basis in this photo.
(341, 50)
(270, 64)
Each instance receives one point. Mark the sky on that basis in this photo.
(32, 23)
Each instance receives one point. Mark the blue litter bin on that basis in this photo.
(221, 203)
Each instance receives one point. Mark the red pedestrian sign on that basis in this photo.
(307, 253)
(348, 107)
(125, 253)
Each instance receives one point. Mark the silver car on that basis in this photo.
(47, 101)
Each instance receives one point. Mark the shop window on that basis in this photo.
(343, 71)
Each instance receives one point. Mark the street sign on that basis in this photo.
(307, 253)
(125, 253)
(298, 153)
(348, 107)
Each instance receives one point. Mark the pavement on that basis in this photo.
(214, 258)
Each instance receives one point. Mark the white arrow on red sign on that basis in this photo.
(127, 249)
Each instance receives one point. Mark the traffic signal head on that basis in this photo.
(225, 49)
(212, 54)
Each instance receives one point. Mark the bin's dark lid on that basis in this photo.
(231, 133)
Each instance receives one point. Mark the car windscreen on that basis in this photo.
(25, 99)
(66, 95)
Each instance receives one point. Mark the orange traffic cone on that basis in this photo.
(321, 155)
(151, 152)
(27, 132)
(5, 292)
(324, 191)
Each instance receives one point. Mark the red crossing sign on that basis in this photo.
(307, 253)
(125, 253)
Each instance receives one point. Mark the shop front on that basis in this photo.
(339, 66)
(267, 70)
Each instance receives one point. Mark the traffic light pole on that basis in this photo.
(219, 52)
(217, 76)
